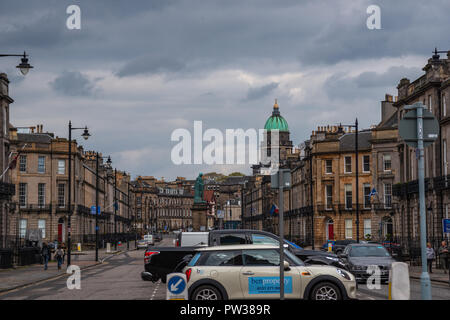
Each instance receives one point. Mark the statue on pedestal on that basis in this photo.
(198, 189)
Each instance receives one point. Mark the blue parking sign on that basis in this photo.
(446, 225)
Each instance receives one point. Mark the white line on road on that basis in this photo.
(154, 291)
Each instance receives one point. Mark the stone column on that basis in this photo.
(199, 211)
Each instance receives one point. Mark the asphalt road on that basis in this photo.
(119, 278)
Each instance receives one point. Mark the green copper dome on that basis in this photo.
(276, 121)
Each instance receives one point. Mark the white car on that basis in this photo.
(252, 272)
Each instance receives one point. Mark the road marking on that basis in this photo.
(155, 290)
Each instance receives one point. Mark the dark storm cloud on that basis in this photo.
(367, 85)
(217, 47)
(73, 83)
(150, 65)
(260, 92)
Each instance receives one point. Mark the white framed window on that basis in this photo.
(23, 163)
(22, 228)
(41, 226)
(444, 105)
(61, 166)
(348, 228)
(23, 195)
(41, 195)
(430, 103)
(329, 195)
(348, 196)
(388, 195)
(367, 190)
(61, 195)
(367, 227)
(348, 164)
(328, 166)
(387, 165)
(366, 163)
(41, 164)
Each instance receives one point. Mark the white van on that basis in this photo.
(149, 239)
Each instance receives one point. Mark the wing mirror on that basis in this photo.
(286, 266)
(342, 255)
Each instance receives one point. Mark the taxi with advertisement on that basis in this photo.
(252, 272)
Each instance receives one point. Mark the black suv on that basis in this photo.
(340, 245)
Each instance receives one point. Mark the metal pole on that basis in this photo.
(425, 277)
(96, 207)
(69, 196)
(281, 227)
(129, 221)
(311, 196)
(357, 181)
(115, 210)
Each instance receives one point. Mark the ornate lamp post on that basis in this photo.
(85, 135)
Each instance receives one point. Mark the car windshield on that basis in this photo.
(294, 258)
(369, 251)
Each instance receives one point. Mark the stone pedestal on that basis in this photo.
(199, 222)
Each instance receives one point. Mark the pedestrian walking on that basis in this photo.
(430, 257)
(443, 254)
(45, 252)
(63, 247)
(59, 253)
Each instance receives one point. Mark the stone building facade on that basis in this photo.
(433, 90)
(41, 180)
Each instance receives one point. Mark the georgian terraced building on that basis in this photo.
(433, 90)
(41, 200)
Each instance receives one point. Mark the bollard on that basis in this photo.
(108, 247)
(399, 287)
(330, 247)
(78, 247)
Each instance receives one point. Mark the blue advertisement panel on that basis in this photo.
(266, 285)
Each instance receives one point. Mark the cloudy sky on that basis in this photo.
(139, 69)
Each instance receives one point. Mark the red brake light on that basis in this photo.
(149, 254)
(188, 274)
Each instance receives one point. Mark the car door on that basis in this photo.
(260, 276)
(223, 266)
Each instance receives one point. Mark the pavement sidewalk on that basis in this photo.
(438, 275)
(21, 276)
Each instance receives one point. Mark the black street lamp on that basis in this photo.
(108, 167)
(24, 66)
(356, 174)
(85, 135)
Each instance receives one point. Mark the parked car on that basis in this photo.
(252, 272)
(339, 245)
(160, 261)
(359, 256)
(141, 244)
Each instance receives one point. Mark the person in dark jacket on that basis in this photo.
(45, 254)
(443, 253)
(59, 253)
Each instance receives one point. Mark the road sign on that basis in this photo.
(220, 214)
(446, 225)
(176, 286)
(93, 210)
(407, 128)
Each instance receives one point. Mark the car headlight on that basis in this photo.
(343, 274)
(332, 258)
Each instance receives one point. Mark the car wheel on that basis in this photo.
(326, 291)
(206, 293)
